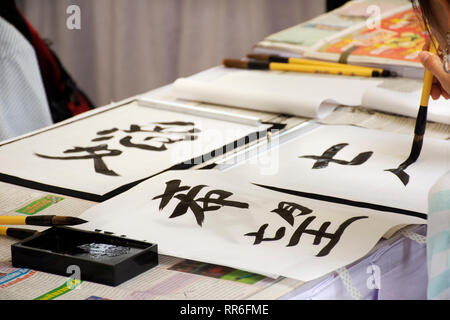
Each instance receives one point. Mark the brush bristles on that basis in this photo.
(53, 220)
(415, 149)
(234, 63)
(67, 221)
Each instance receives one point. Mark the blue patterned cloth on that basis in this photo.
(23, 103)
(438, 240)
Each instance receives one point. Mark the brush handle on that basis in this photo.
(34, 220)
(427, 82)
(17, 233)
(421, 121)
(12, 220)
(322, 69)
(331, 64)
(311, 62)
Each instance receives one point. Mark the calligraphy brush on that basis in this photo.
(17, 233)
(421, 121)
(277, 58)
(267, 65)
(41, 220)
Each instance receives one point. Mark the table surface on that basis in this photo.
(174, 278)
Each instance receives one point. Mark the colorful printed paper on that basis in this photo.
(400, 37)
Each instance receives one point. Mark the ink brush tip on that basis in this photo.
(53, 220)
(246, 64)
(67, 221)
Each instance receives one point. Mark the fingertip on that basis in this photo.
(433, 64)
(424, 56)
(445, 95)
(435, 92)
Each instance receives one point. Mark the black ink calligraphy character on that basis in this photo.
(133, 128)
(158, 138)
(105, 135)
(259, 235)
(172, 188)
(188, 201)
(220, 201)
(92, 153)
(321, 233)
(126, 142)
(106, 132)
(102, 139)
(159, 127)
(175, 123)
(286, 211)
(327, 157)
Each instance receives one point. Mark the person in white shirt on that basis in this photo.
(23, 102)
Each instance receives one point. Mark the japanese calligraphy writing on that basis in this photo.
(157, 137)
(321, 233)
(93, 153)
(212, 201)
(327, 157)
(286, 211)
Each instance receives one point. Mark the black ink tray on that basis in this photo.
(101, 258)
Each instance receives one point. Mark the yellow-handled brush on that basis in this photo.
(421, 121)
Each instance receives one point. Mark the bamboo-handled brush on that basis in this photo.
(421, 120)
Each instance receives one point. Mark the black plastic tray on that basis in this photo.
(101, 258)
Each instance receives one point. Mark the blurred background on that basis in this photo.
(129, 47)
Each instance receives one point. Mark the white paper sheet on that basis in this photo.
(173, 138)
(407, 103)
(286, 166)
(305, 95)
(145, 213)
